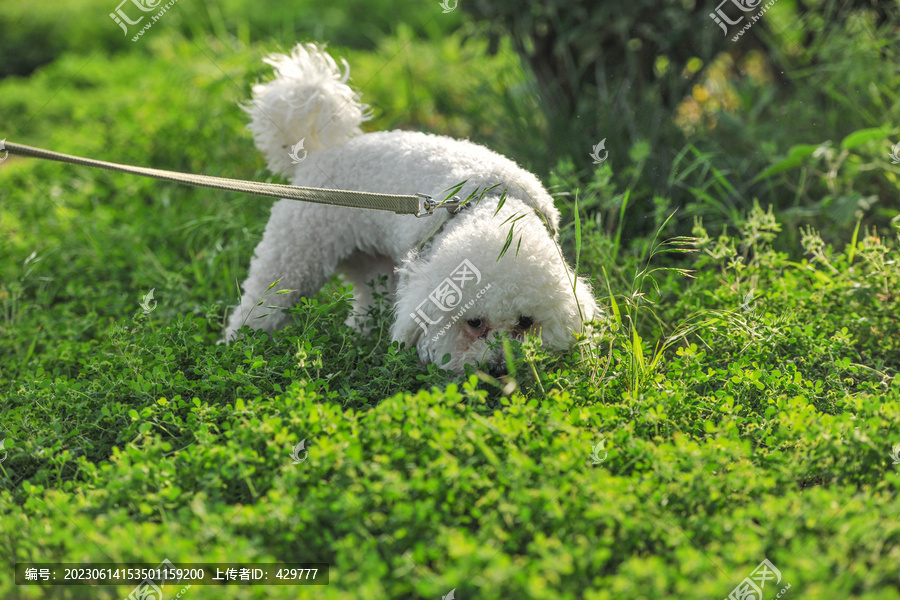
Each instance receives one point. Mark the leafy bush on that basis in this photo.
(84, 26)
(778, 408)
(741, 397)
(651, 77)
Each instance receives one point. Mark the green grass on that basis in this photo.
(745, 383)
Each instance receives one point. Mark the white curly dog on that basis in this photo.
(451, 293)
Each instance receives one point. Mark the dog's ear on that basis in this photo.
(411, 315)
(406, 328)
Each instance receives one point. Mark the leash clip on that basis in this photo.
(427, 204)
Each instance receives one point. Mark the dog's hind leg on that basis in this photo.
(302, 246)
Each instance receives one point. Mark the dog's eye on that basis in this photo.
(474, 323)
(525, 322)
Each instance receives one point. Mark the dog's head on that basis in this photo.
(457, 297)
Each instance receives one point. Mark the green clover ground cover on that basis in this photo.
(749, 412)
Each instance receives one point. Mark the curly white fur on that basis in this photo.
(309, 98)
(305, 244)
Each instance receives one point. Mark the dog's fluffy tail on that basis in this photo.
(308, 100)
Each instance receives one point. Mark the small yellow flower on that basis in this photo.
(700, 94)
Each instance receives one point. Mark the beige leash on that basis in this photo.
(421, 205)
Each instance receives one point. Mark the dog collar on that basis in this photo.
(454, 206)
(427, 204)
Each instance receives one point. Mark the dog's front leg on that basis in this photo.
(302, 246)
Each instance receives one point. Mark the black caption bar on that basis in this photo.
(155, 575)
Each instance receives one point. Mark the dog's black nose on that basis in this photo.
(498, 370)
